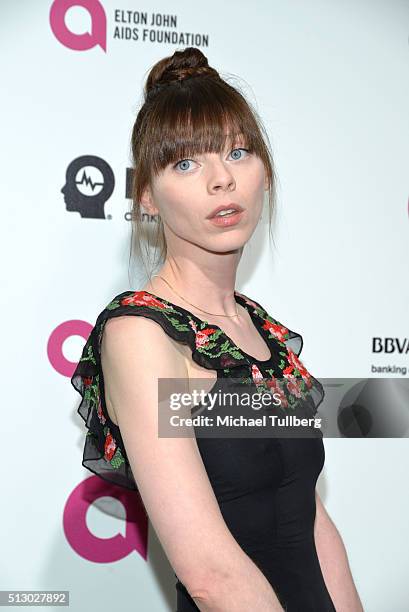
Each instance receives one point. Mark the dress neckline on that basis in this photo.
(253, 315)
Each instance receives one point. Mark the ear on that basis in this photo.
(147, 202)
(266, 182)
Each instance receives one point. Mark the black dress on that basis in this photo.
(265, 487)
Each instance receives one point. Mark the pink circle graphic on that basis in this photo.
(75, 327)
(79, 42)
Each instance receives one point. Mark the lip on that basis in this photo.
(224, 207)
(227, 221)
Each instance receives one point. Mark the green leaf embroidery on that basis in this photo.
(112, 305)
(118, 459)
(89, 356)
(177, 324)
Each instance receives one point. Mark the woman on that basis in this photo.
(239, 519)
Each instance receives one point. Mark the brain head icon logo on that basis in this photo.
(86, 40)
(89, 184)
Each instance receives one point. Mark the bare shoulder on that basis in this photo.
(149, 335)
(136, 343)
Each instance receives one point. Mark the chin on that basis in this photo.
(228, 244)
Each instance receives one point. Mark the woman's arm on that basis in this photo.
(334, 562)
(170, 474)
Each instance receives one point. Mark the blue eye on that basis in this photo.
(187, 161)
(183, 161)
(239, 149)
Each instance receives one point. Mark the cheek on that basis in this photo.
(253, 187)
(177, 208)
(258, 177)
(172, 201)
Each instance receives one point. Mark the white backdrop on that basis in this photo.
(330, 81)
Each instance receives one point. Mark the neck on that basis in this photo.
(207, 287)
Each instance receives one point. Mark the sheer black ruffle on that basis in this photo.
(104, 452)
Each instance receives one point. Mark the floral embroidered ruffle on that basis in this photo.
(282, 373)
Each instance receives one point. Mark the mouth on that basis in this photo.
(227, 220)
(226, 210)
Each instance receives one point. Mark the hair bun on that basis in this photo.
(190, 62)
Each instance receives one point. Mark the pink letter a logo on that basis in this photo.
(79, 42)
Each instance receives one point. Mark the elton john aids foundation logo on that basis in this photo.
(73, 40)
(133, 535)
(89, 183)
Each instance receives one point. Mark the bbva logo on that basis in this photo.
(390, 345)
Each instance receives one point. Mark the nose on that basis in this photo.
(220, 177)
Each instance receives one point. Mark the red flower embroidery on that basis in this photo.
(100, 413)
(293, 385)
(87, 380)
(110, 447)
(141, 298)
(202, 336)
(296, 363)
(293, 359)
(278, 331)
(226, 361)
(276, 390)
(256, 374)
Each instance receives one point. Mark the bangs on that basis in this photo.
(204, 118)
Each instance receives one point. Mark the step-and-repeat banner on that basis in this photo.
(329, 81)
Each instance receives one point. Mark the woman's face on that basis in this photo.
(185, 193)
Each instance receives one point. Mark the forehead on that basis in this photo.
(194, 135)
